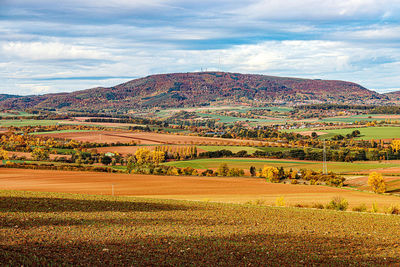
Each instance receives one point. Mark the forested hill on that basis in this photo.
(201, 88)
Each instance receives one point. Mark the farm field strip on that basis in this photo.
(146, 138)
(63, 229)
(233, 190)
(338, 167)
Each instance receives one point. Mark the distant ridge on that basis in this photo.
(6, 96)
(201, 88)
(393, 96)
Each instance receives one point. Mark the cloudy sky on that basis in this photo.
(54, 46)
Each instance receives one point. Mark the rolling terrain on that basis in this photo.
(47, 229)
(199, 89)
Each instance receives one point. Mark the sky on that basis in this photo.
(49, 46)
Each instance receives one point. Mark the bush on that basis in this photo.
(257, 202)
(300, 205)
(317, 206)
(361, 208)
(280, 201)
(338, 203)
(374, 208)
(393, 210)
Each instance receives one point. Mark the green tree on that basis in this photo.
(106, 160)
(253, 171)
(223, 169)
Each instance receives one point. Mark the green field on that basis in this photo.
(62, 131)
(234, 149)
(20, 114)
(245, 163)
(355, 118)
(49, 229)
(368, 133)
(20, 123)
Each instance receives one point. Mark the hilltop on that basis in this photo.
(201, 88)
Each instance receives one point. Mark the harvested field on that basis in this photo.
(48, 229)
(28, 155)
(233, 190)
(309, 133)
(124, 150)
(145, 138)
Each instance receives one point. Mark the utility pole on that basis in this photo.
(324, 165)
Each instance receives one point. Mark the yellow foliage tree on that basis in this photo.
(271, 173)
(375, 180)
(3, 154)
(40, 154)
(143, 155)
(157, 156)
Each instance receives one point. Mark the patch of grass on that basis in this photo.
(245, 163)
(367, 133)
(234, 149)
(63, 229)
(16, 123)
(62, 131)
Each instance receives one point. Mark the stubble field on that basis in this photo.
(43, 229)
(230, 190)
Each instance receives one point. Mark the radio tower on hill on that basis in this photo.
(324, 165)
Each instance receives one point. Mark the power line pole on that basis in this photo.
(325, 165)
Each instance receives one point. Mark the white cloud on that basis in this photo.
(49, 51)
(320, 10)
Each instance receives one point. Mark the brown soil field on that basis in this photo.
(308, 133)
(233, 190)
(124, 150)
(386, 117)
(81, 121)
(144, 138)
(28, 155)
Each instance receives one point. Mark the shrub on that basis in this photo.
(300, 205)
(280, 201)
(338, 203)
(393, 210)
(317, 206)
(361, 208)
(258, 202)
(374, 208)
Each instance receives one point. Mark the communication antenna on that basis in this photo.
(324, 165)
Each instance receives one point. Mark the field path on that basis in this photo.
(233, 190)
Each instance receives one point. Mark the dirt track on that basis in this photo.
(236, 190)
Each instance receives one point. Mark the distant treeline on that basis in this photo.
(129, 120)
(372, 109)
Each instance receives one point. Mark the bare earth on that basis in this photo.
(124, 150)
(144, 138)
(233, 190)
(308, 133)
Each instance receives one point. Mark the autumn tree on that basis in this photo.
(223, 169)
(157, 157)
(3, 154)
(40, 154)
(375, 180)
(143, 156)
(270, 173)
